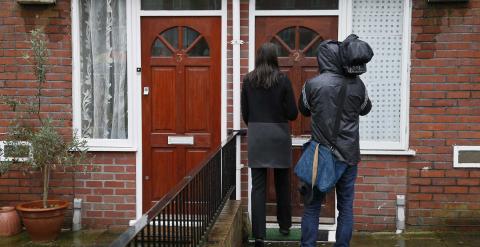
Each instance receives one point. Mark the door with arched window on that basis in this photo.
(297, 39)
(181, 98)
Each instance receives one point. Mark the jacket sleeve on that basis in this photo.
(289, 103)
(303, 103)
(367, 105)
(244, 103)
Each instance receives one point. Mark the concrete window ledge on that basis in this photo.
(408, 152)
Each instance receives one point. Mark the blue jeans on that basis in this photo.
(345, 189)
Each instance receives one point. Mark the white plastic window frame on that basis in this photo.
(95, 144)
(457, 149)
(401, 147)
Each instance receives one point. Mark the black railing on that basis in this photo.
(185, 215)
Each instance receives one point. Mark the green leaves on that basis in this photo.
(33, 142)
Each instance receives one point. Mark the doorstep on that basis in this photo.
(273, 235)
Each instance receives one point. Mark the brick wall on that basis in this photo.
(108, 187)
(243, 70)
(444, 111)
(380, 179)
(108, 190)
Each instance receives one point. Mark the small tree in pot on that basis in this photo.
(34, 143)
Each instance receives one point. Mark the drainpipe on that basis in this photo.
(400, 213)
(77, 214)
(236, 42)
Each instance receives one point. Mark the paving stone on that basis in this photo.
(98, 238)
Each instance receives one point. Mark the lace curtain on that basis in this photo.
(103, 61)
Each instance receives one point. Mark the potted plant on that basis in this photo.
(34, 143)
(9, 222)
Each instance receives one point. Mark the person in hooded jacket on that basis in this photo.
(268, 103)
(320, 100)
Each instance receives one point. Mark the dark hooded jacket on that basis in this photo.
(319, 99)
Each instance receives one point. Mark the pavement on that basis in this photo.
(98, 238)
(86, 238)
(412, 239)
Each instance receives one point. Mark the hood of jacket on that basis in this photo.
(328, 57)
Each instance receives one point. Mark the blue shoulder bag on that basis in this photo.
(318, 166)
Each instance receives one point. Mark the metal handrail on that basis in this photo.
(143, 232)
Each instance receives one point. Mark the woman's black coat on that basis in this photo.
(267, 112)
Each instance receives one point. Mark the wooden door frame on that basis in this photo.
(137, 14)
(344, 14)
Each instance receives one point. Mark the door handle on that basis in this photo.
(146, 90)
(147, 178)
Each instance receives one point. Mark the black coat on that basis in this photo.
(319, 99)
(267, 112)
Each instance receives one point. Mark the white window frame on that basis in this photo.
(401, 147)
(457, 149)
(95, 144)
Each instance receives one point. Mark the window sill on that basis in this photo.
(111, 145)
(299, 141)
(112, 149)
(408, 152)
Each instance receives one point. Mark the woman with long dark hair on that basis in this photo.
(268, 103)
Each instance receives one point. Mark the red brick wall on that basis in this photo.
(107, 188)
(380, 179)
(243, 70)
(444, 111)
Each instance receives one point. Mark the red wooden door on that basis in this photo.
(297, 39)
(181, 98)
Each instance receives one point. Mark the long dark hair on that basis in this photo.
(266, 73)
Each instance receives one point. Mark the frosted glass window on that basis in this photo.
(380, 23)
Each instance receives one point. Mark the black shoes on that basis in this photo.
(259, 242)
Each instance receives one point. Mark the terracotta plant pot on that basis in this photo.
(9, 222)
(43, 224)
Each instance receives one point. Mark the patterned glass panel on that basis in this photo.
(288, 36)
(380, 24)
(200, 49)
(306, 36)
(189, 35)
(160, 50)
(282, 52)
(312, 51)
(181, 4)
(296, 4)
(171, 35)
